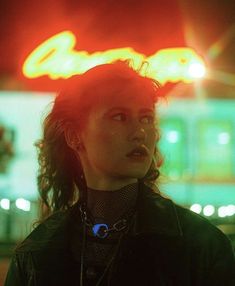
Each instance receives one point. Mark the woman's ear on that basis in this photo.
(72, 139)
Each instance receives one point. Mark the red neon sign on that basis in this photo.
(57, 58)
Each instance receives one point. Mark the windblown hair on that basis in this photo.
(60, 179)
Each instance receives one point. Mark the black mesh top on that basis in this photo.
(105, 207)
(110, 206)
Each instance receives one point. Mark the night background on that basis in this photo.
(198, 123)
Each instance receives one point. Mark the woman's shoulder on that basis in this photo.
(46, 234)
(199, 230)
(194, 227)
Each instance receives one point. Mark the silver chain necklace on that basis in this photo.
(102, 230)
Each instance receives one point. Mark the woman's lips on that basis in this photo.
(138, 153)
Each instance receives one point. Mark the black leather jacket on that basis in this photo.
(169, 245)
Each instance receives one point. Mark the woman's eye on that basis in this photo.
(119, 117)
(147, 119)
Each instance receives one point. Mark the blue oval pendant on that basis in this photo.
(100, 230)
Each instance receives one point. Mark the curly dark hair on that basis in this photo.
(60, 178)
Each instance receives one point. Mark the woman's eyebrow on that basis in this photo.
(128, 110)
(110, 111)
(146, 110)
(118, 108)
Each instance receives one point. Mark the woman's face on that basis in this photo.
(118, 139)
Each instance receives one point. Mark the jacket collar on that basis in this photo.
(156, 214)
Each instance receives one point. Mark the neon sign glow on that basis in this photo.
(57, 58)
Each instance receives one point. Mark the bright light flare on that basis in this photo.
(197, 70)
(223, 138)
(222, 211)
(226, 211)
(197, 208)
(208, 210)
(23, 204)
(172, 136)
(5, 204)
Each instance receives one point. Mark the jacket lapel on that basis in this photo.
(158, 221)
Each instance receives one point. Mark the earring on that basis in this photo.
(77, 145)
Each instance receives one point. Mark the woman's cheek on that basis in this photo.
(152, 133)
(108, 136)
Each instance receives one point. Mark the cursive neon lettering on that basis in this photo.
(57, 58)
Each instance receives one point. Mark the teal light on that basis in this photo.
(198, 145)
(215, 148)
(172, 145)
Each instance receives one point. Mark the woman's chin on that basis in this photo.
(136, 174)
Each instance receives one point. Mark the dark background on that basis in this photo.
(144, 25)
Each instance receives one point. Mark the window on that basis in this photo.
(173, 147)
(214, 158)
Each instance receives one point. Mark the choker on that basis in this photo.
(102, 230)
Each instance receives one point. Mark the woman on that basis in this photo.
(107, 223)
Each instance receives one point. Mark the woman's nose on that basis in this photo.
(138, 133)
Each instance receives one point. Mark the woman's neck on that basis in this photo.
(109, 184)
(111, 206)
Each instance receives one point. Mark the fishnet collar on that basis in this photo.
(109, 206)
